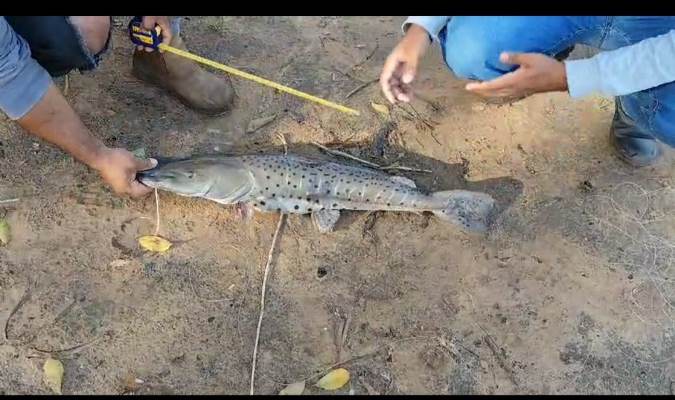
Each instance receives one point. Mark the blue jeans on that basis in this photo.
(57, 44)
(471, 48)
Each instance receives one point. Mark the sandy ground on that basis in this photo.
(573, 291)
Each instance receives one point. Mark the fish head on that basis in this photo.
(190, 177)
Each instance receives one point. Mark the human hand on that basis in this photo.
(118, 168)
(400, 68)
(163, 22)
(537, 73)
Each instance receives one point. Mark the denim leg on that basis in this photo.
(471, 48)
(56, 43)
(650, 113)
(472, 45)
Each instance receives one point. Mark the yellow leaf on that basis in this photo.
(334, 380)
(382, 109)
(5, 233)
(154, 243)
(53, 375)
(293, 389)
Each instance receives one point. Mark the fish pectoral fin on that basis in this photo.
(404, 181)
(243, 211)
(325, 220)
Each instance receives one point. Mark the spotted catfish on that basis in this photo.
(295, 184)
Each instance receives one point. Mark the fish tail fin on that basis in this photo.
(472, 211)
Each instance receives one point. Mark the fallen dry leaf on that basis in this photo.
(258, 123)
(5, 232)
(154, 243)
(334, 380)
(382, 109)
(293, 389)
(53, 375)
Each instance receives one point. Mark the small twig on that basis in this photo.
(24, 298)
(364, 355)
(283, 141)
(400, 107)
(65, 311)
(431, 132)
(368, 163)
(377, 45)
(394, 166)
(426, 121)
(473, 353)
(262, 298)
(494, 348)
(76, 347)
(341, 335)
(500, 357)
(157, 211)
(417, 116)
(8, 201)
(361, 87)
(345, 329)
(343, 154)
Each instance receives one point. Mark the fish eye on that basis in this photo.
(189, 174)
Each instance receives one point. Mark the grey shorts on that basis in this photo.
(55, 43)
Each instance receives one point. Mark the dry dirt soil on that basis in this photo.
(572, 291)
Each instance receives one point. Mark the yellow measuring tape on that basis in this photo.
(254, 78)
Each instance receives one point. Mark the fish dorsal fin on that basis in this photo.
(404, 181)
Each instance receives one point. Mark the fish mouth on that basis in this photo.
(148, 178)
(153, 177)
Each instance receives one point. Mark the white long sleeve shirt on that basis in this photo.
(634, 68)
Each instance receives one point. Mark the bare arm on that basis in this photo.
(28, 96)
(54, 120)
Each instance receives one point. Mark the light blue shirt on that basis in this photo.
(626, 70)
(23, 82)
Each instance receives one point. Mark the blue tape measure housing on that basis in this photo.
(143, 37)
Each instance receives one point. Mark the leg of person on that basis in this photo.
(62, 44)
(471, 48)
(471, 45)
(640, 119)
(195, 87)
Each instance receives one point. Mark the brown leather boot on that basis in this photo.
(195, 87)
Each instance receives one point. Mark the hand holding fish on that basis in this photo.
(118, 167)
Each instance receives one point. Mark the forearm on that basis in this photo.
(626, 70)
(54, 120)
(418, 37)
